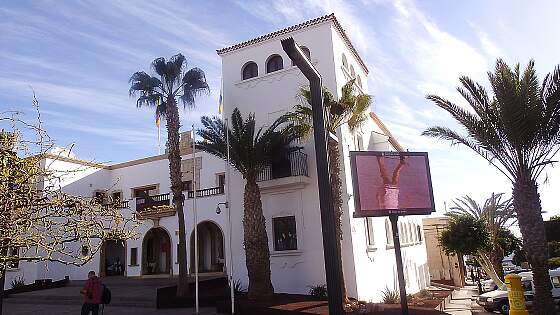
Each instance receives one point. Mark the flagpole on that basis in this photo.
(158, 140)
(195, 224)
(228, 202)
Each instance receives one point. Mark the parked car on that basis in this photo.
(488, 285)
(497, 300)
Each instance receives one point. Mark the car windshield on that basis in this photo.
(556, 281)
(527, 285)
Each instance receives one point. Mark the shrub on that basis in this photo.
(390, 296)
(424, 293)
(409, 298)
(238, 287)
(18, 282)
(554, 262)
(318, 291)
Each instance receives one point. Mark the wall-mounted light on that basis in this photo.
(218, 209)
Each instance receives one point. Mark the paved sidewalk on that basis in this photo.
(463, 302)
(49, 309)
(129, 296)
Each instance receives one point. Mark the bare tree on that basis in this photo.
(38, 220)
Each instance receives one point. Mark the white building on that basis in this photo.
(258, 77)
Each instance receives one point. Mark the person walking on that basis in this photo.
(92, 292)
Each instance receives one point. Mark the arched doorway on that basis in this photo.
(210, 248)
(113, 258)
(156, 252)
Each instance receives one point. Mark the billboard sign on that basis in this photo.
(388, 183)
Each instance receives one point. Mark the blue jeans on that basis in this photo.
(89, 307)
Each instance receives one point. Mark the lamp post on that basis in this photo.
(230, 258)
(227, 204)
(333, 264)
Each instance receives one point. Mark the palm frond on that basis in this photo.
(193, 85)
(251, 149)
(162, 91)
(350, 109)
(159, 66)
(518, 126)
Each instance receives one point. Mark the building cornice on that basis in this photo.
(327, 18)
(59, 157)
(138, 161)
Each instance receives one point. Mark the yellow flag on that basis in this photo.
(157, 113)
(221, 101)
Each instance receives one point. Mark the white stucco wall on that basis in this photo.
(368, 270)
(270, 95)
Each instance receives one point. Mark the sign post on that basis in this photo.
(392, 184)
(400, 273)
(333, 263)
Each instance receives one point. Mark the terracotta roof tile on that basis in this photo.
(297, 27)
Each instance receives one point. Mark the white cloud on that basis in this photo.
(284, 12)
(173, 19)
(436, 55)
(489, 47)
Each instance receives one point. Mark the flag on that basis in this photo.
(157, 113)
(158, 121)
(221, 100)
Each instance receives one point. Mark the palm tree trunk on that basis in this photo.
(486, 264)
(336, 192)
(174, 156)
(527, 204)
(497, 256)
(257, 254)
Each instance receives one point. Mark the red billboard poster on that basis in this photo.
(391, 183)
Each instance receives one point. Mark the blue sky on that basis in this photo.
(78, 55)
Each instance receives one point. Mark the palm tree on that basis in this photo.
(350, 109)
(173, 81)
(250, 152)
(497, 214)
(517, 130)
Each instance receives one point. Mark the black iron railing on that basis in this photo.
(148, 202)
(143, 203)
(291, 164)
(117, 204)
(201, 193)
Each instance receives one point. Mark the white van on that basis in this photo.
(497, 300)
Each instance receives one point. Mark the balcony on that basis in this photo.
(154, 207)
(117, 204)
(201, 193)
(159, 206)
(289, 170)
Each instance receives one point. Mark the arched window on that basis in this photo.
(406, 233)
(359, 81)
(344, 61)
(352, 72)
(402, 233)
(388, 232)
(306, 52)
(274, 63)
(250, 70)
